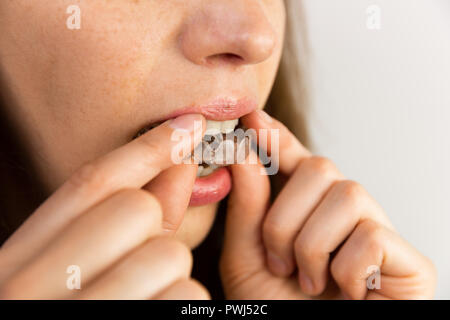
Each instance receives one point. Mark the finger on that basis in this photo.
(281, 144)
(247, 206)
(185, 290)
(344, 206)
(173, 188)
(130, 166)
(92, 242)
(405, 273)
(144, 273)
(300, 196)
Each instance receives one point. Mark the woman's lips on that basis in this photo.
(220, 109)
(216, 186)
(212, 188)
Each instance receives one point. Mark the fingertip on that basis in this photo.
(260, 119)
(256, 120)
(248, 176)
(187, 122)
(173, 187)
(265, 117)
(306, 284)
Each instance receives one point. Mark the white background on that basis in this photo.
(381, 110)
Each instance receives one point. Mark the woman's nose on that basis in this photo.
(232, 31)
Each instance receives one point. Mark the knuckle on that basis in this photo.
(373, 234)
(351, 193)
(321, 166)
(273, 232)
(145, 205)
(306, 250)
(196, 290)
(89, 177)
(176, 252)
(143, 199)
(428, 278)
(338, 272)
(168, 252)
(151, 148)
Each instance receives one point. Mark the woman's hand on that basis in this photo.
(102, 221)
(322, 237)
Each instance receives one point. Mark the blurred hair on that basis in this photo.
(21, 191)
(289, 99)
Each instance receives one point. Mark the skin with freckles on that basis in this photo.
(131, 63)
(79, 96)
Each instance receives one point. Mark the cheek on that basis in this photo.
(266, 77)
(267, 71)
(108, 59)
(98, 70)
(85, 83)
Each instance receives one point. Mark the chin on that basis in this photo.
(196, 224)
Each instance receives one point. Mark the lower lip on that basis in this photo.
(212, 188)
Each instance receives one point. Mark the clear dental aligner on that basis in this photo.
(222, 145)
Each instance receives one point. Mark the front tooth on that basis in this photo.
(213, 127)
(229, 126)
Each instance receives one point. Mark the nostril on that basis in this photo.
(232, 57)
(226, 58)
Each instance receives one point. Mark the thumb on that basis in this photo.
(173, 188)
(247, 205)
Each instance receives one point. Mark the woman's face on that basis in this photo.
(79, 93)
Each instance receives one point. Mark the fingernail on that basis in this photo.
(265, 116)
(305, 283)
(185, 122)
(276, 264)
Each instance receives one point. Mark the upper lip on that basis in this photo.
(220, 109)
